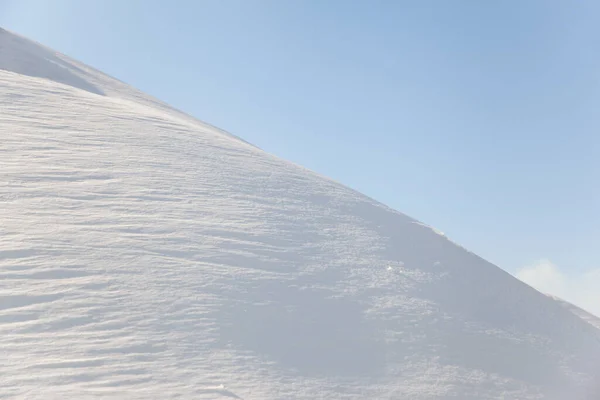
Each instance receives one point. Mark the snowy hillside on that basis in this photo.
(147, 255)
(586, 316)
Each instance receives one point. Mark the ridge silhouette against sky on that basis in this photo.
(479, 118)
(143, 251)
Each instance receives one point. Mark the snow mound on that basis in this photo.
(144, 253)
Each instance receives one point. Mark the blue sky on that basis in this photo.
(479, 118)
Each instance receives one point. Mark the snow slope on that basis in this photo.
(147, 255)
(581, 313)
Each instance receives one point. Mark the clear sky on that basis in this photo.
(480, 118)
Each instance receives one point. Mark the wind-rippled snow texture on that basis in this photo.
(144, 254)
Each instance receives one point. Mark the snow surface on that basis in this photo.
(147, 255)
(586, 316)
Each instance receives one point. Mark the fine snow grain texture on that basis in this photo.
(147, 255)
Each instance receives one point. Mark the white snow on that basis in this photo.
(147, 255)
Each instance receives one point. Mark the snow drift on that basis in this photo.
(145, 254)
